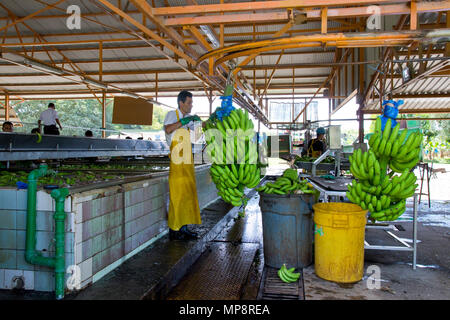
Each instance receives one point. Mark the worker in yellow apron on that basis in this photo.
(183, 206)
(317, 146)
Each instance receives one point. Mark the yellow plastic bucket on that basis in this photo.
(339, 241)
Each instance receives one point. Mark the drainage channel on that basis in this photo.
(272, 288)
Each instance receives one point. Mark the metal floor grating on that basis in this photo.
(245, 230)
(219, 274)
(272, 288)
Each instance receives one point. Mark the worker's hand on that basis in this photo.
(186, 120)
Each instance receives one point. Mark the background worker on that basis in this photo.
(7, 126)
(49, 118)
(183, 206)
(318, 145)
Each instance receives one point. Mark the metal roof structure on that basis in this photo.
(154, 48)
(418, 74)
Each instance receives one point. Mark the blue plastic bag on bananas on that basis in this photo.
(390, 110)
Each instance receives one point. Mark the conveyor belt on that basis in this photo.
(18, 146)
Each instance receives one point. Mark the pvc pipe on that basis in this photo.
(60, 216)
(34, 256)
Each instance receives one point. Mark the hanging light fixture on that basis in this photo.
(95, 83)
(43, 67)
(212, 38)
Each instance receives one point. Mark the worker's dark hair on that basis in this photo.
(183, 95)
(88, 133)
(35, 130)
(51, 105)
(7, 122)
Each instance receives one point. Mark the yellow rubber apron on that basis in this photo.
(311, 152)
(183, 205)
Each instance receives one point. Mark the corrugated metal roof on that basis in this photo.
(417, 105)
(134, 67)
(427, 88)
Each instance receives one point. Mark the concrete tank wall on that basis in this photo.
(104, 227)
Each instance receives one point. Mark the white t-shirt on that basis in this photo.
(48, 117)
(171, 117)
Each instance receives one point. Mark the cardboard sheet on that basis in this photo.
(129, 110)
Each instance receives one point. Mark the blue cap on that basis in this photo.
(320, 130)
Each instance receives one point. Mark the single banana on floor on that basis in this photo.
(288, 275)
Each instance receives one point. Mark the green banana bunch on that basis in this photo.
(287, 183)
(231, 176)
(230, 184)
(391, 213)
(288, 275)
(384, 195)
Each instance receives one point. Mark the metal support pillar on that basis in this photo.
(361, 122)
(6, 107)
(103, 114)
(329, 112)
(415, 231)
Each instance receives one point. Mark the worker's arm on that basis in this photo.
(59, 123)
(39, 124)
(169, 128)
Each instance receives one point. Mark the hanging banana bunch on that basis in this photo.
(240, 169)
(383, 194)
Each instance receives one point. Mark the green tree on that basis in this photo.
(81, 114)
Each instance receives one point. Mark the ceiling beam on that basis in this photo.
(338, 39)
(332, 13)
(131, 82)
(30, 15)
(247, 60)
(411, 111)
(260, 5)
(147, 10)
(146, 30)
(105, 73)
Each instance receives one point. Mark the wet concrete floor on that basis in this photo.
(146, 275)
